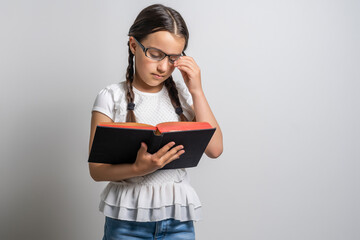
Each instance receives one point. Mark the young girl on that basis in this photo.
(140, 202)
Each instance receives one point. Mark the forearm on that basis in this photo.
(110, 172)
(203, 113)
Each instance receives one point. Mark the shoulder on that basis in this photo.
(115, 88)
(109, 98)
(113, 92)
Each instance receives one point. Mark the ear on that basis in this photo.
(132, 45)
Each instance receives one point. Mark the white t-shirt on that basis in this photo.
(162, 194)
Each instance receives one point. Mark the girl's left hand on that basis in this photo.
(190, 72)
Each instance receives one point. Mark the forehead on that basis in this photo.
(165, 41)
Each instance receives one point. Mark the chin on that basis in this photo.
(156, 81)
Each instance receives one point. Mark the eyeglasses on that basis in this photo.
(158, 55)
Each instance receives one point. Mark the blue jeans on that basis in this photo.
(169, 229)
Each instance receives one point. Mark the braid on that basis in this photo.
(130, 116)
(151, 19)
(174, 96)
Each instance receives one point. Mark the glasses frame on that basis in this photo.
(165, 55)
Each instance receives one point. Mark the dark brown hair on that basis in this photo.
(152, 19)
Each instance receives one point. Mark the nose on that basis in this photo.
(163, 65)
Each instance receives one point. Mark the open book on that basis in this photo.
(117, 143)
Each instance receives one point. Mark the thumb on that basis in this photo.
(143, 147)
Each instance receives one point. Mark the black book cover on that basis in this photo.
(120, 145)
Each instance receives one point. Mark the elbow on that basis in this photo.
(94, 177)
(215, 148)
(215, 153)
(94, 174)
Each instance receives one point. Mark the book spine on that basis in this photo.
(155, 143)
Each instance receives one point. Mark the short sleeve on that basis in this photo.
(184, 92)
(185, 99)
(104, 103)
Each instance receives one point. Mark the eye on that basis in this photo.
(154, 53)
(173, 58)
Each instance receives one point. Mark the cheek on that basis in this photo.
(142, 65)
(172, 67)
(170, 71)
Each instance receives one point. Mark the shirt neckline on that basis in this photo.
(148, 93)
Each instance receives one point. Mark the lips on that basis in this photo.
(158, 76)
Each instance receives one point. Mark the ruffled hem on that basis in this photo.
(150, 196)
(177, 212)
(150, 202)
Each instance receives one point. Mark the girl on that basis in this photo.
(140, 202)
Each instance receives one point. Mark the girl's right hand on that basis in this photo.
(147, 163)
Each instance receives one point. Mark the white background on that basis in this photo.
(282, 78)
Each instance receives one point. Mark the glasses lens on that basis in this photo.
(155, 54)
(173, 58)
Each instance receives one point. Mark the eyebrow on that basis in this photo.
(165, 52)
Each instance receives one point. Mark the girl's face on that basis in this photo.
(150, 74)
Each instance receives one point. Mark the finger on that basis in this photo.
(161, 152)
(174, 157)
(172, 152)
(143, 148)
(185, 69)
(185, 60)
(187, 64)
